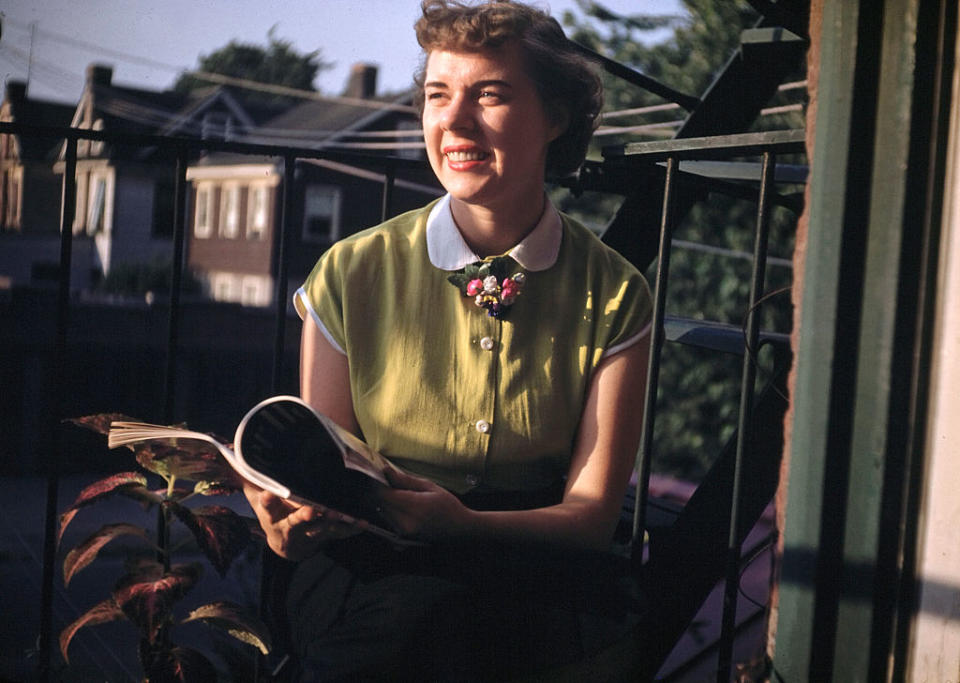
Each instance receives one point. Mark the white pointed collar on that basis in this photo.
(449, 251)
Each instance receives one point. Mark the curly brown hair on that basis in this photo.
(566, 82)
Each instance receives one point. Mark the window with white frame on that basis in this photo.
(257, 212)
(203, 215)
(98, 204)
(12, 189)
(80, 210)
(225, 287)
(255, 291)
(230, 211)
(321, 213)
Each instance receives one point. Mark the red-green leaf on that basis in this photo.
(180, 664)
(100, 422)
(220, 532)
(108, 610)
(148, 596)
(186, 459)
(236, 621)
(217, 488)
(117, 483)
(86, 552)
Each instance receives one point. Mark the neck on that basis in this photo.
(490, 231)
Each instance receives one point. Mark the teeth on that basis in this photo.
(466, 156)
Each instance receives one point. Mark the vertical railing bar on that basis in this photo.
(67, 210)
(386, 208)
(645, 453)
(173, 326)
(744, 434)
(281, 288)
(268, 562)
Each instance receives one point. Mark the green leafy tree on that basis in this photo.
(278, 63)
(710, 277)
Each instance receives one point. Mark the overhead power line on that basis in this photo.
(244, 83)
(94, 47)
(297, 92)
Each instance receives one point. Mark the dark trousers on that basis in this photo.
(365, 611)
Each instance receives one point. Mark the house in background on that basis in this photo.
(124, 210)
(235, 206)
(29, 221)
(125, 193)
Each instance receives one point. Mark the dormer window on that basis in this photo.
(216, 125)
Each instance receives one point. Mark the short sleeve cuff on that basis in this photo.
(627, 343)
(301, 302)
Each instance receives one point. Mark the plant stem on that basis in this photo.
(163, 527)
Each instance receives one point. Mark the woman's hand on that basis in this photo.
(418, 508)
(296, 531)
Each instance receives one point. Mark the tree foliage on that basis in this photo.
(710, 271)
(278, 63)
(702, 40)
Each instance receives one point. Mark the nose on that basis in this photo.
(458, 114)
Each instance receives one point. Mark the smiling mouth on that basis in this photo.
(462, 155)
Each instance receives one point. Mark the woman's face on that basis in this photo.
(485, 127)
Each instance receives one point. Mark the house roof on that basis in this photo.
(18, 107)
(319, 122)
(335, 115)
(118, 108)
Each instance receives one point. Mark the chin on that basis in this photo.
(466, 192)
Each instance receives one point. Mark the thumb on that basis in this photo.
(402, 480)
(275, 506)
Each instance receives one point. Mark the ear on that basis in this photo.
(559, 121)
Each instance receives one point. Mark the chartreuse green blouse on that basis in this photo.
(446, 390)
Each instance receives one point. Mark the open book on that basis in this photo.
(284, 446)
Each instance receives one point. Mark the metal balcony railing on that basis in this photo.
(749, 452)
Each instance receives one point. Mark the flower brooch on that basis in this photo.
(489, 284)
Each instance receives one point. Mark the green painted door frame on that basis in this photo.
(846, 589)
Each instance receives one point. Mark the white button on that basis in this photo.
(483, 426)
(472, 480)
(486, 344)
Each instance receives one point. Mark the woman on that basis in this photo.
(493, 348)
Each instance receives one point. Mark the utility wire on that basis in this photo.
(93, 47)
(221, 79)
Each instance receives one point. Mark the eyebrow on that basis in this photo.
(479, 84)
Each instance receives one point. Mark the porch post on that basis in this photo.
(860, 379)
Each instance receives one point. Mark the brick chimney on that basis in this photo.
(99, 74)
(362, 82)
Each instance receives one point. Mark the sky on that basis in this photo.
(149, 42)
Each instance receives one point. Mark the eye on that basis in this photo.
(490, 96)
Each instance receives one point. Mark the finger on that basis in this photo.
(304, 515)
(275, 507)
(333, 527)
(402, 480)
